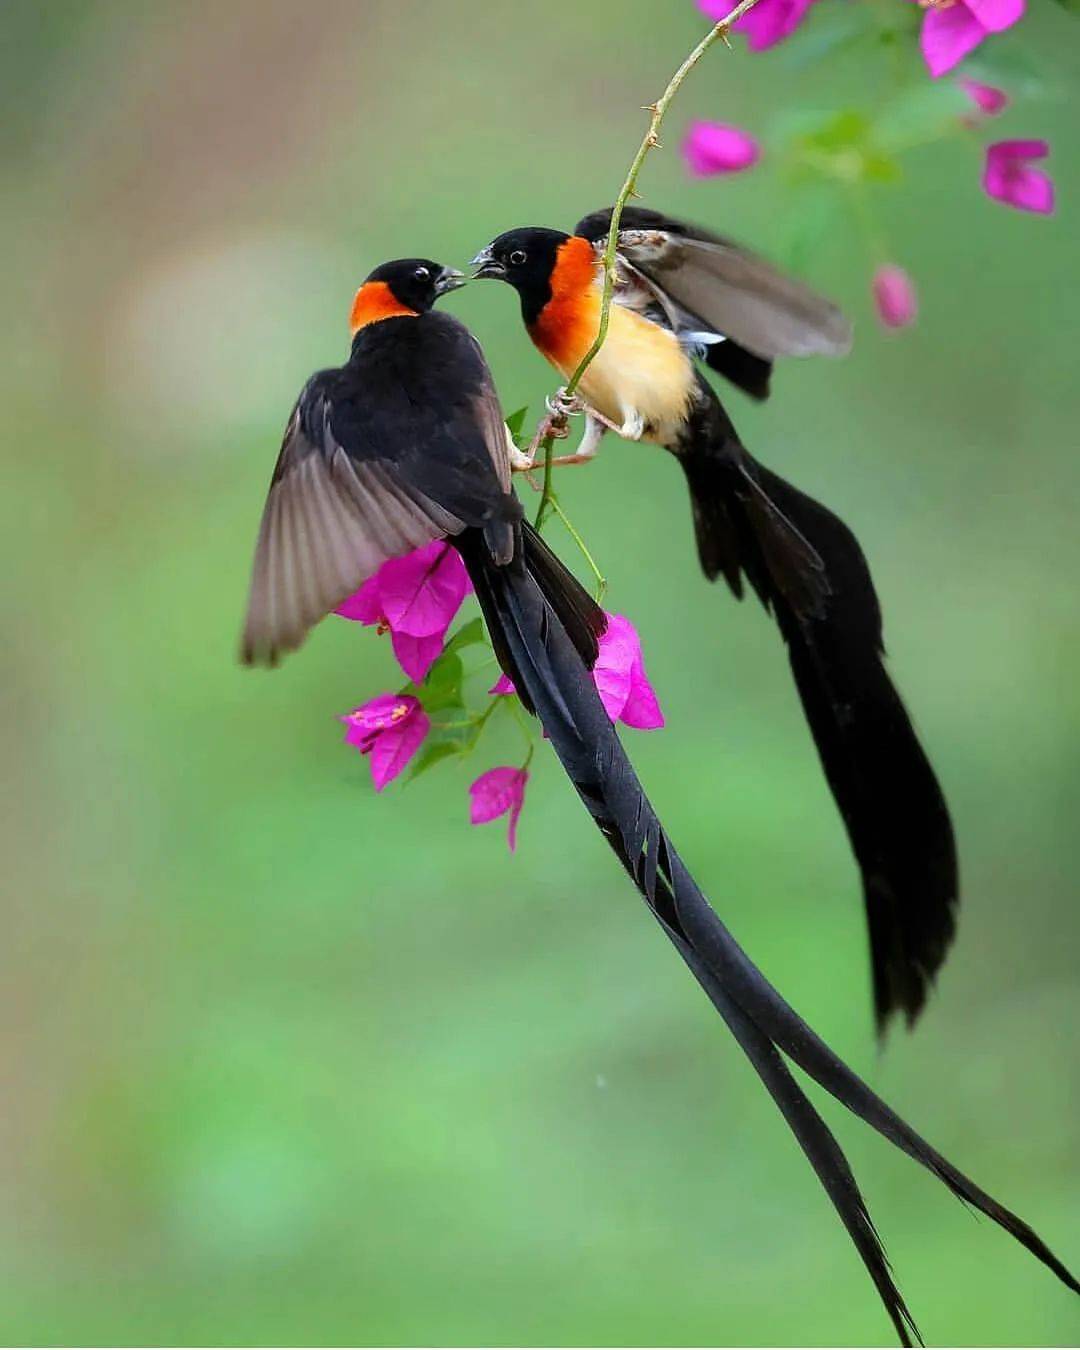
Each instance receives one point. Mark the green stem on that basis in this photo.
(651, 140)
(526, 729)
(547, 496)
(601, 580)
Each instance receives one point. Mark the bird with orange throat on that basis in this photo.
(404, 444)
(685, 298)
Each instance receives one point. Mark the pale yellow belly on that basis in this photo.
(640, 369)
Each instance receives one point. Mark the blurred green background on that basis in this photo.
(289, 1062)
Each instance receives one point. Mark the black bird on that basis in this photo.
(678, 286)
(406, 443)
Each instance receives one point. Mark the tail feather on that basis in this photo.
(816, 1141)
(544, 664)
(808, 570)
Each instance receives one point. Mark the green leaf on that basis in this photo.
(442, 685)
(516, 421)
(468, 635)
(1073, 6)
(436, 748)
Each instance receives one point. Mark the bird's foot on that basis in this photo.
(562, 404)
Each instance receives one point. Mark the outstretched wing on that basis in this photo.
(731, 291)
(404, 445)
(333, 516)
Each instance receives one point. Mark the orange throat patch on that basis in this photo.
(374, 301)
(565, 328)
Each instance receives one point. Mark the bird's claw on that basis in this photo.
(562, 404)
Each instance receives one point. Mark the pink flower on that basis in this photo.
(390, 728)
(1008, 177)
(619, 675)
(894, 296)
(953, 28)
(416, 597)
(496, 793)
(769, 22)
(416, 655)
(712, 147)
(986, 98)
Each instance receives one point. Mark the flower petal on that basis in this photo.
(986, 98)
(642, 708)
(423, 591)
(492, 794)
(996, 15)
(948, 35)
(503, 685)
(1000, 152)
(620, 677)
(364, 605)
(769, 22)
(714, 148)
(894, 296)
(416, 655)
(1026, 189)
(496, 793)
(619, 646)
(515, 813)
(394, 748)
(1008, 178)
(381, 713)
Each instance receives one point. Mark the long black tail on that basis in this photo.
(545, 665)
(809, 571)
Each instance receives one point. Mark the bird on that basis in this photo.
(679, 290)
(406, 443)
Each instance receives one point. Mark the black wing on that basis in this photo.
(403, 445)
(725, 289)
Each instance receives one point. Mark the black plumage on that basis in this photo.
(803, 562)
(413, 419)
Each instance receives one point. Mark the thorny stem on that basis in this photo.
(651, 140)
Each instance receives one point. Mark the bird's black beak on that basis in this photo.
(449, 279)
(488, 266)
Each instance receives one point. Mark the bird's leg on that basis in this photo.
(589, 443)
(630, 429)
(633, 426)
(560, 407)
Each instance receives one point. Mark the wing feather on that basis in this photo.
(739, 294)
(331, 520)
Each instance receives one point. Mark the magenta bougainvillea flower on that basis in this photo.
(986, 98)
(951, 29)
(389, 728)
(769, 22)
(1008, 176)
(497, 793)
(416, 597)
(712, 148)
(620, 678)
(894, 296)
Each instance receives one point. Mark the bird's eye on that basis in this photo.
(422, 273)
(517, 257)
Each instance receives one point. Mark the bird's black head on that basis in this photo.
(417, 282)
(525, 259)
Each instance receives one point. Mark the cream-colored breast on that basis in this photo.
(640, 369)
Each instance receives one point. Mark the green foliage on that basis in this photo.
(292, 1063)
